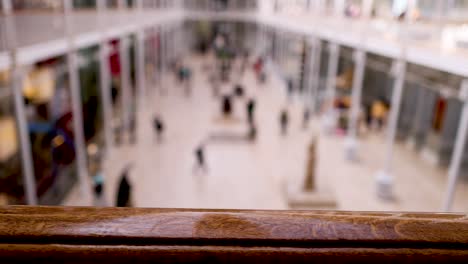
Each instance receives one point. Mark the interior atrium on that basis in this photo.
(247, 104)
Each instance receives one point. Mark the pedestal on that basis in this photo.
(384, 182)
(316, 199)
(351, 149)
(307, 195)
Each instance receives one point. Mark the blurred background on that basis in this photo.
(246, 104)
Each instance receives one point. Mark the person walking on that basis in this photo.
(188, 80)
(99, 197)
(250, 110)
(284, 120)
(158, 127)
(226, 105)
(200, 159)
(124, 190)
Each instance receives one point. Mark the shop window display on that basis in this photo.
(91, 105)
(48, 108)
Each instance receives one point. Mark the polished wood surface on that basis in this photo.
(123, 235)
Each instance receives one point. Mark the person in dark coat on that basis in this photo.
(200, 159)
(158, 127)
(238, 90)
(284, 120)
(226, 105)
(124, 190)
(250, 110)
(99, 197)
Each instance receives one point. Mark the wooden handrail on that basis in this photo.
(124, 235)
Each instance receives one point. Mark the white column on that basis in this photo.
(140, 75)
(258, 38)
(125, 82)
(351, 143)
(277, 48)
(171, 41)
(319, 7)
(104, 81)
(309, 72)
(161, 54)
(384, 177)
(339, 8)
(315, 73)
(104, 87)
(366, 7)
(124, 56)
(29, 182)
(458, 151)
(329, 122)
(140, 67)
(154, 46)
(176, 42)
(25, 144)
(283, 50)
(75, 91)
(78, 129)
(163, 50)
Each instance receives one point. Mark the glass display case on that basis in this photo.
(49, 119)
(92, 107)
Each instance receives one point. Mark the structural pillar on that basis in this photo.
(78, 127)
(164, 50)
(309, 71)
(29, 182)
(351, 143)
(339, 7)
(313, 67)
(25, 144)
(283, 49)
(384, 177)
(458, 151)
(140, 65)
(317, 45)
(330, 117)
(162, 55)
(104, 81)
(140, 61)
(125, 83)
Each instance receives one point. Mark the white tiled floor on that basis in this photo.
(253, 175)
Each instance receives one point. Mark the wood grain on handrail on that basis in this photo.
(123, 235)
